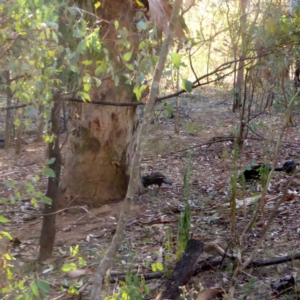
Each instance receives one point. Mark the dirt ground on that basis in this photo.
(152, 227)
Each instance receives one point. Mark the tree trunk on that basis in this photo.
(101, 138)
(240, 73)
(41, 125)
(47, 237)
(8, 121)
(19, 132)
(100, 148)
(65, 119)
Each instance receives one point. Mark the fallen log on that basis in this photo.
(183, 271)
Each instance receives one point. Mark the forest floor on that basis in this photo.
(151, 233)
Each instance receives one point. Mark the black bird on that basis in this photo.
(155, 178)
(288, 167)
(255, 172)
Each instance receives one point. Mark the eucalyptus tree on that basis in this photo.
(102, 140)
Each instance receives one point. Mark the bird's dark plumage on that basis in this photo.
(255, 172)
(155, 178)
(288, 167)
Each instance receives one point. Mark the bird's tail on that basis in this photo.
(279, 169)
(167, 181)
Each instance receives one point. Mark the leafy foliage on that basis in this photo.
(132, 288)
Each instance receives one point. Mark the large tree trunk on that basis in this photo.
(101, 139)
(100, 148)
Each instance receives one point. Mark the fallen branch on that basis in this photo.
(202, 266)
(183, 271)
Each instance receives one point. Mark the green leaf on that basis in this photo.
(46, 200)
(116, 24)
(146, 288)
(35, 289)
(6, 234)
(94, 42)
(9, 274)
(100, 69)
(146, 64)
(43, 285)
(10, 184)
(18, 196)
(21, 285)
(74, 250)
(34, 202)
(3, 219)
(77, 33)
(69, 267)
(85, 96)
(139, 3)
(176, 60)
(81, 47)
(3, 200)
(153, 267)
(30, 188)
(42, 36)
(82, 263)
(49, 172)
(97, 5)
(54, 36)
(51, 161)
(87, 62)
(7, 256)
(12, 199)
(187, 85)
(130, 67)
(127, 56)
(159, 266)
(87, 87)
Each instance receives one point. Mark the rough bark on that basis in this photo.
(183, 271)
(100, 148)
(101, 142)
